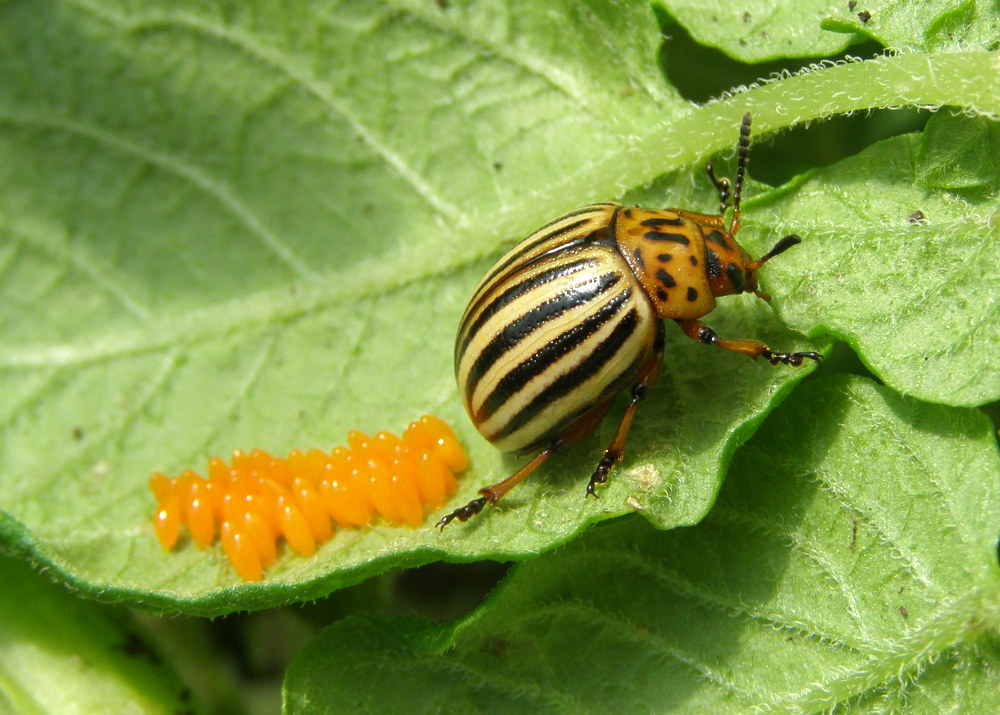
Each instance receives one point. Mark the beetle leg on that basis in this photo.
(494, 492)
(697, 330)
(648, 373)
(579, 429)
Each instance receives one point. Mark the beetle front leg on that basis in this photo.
(697, 330)
(648, 373)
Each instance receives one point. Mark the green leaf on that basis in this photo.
(59, 653)
(223, 229)
(958, 152)
(928, 26)
(851, 561)
(916, 297)
(761, 30)
(249, 226)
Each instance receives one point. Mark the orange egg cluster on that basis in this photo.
(259, 498)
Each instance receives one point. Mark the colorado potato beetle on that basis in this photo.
(574, 314)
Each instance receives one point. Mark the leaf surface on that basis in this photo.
(59, 653)
(915, 286)
(252, 226)
(851, 561)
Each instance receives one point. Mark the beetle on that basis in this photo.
(574, 313)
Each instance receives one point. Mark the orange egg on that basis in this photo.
(259, 498)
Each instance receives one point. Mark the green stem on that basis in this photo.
(961, 79)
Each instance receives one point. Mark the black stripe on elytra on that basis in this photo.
(663, 257)
(563, 344)
(637, 254)
(675, 237)
(591, 208)
(567, 382)
(521, 327)
(665, 278)
(603, 235)
(663, 222)
(718, 239)
(512, 293)
(624, 378)
(526, 247)
(712, 264)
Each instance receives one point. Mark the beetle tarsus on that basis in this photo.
(463, 513)
(793, 359)
(600, 475)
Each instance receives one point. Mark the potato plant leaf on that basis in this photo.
(240, 226)
(850, 562)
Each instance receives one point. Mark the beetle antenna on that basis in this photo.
(743, 158)
(780, 247)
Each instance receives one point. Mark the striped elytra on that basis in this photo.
(573, 315)
(555, 336)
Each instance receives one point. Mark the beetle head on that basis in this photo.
(732, 270)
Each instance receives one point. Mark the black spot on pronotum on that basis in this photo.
(637, 254)
(665, 278)
(712, 261)
(735, 276)
(692, 294)
(628, 213)
(718, 239)
(654, 222)
(694, 261)
(675, 237)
